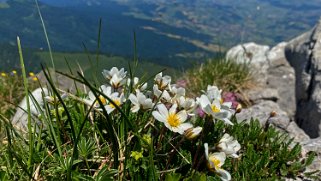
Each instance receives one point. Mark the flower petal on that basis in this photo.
(224, 175)
(186, 126)
(162, 110)
(133, 99)
(159, 116)
(182, 115)
(206, 150)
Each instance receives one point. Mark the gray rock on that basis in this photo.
(262, 110)
(249, 53)
(253, 54)
(64, 83)
(274, 76)
(20, 119)
(262, 94)
(296, 132)
(315, 146)
(304, 55)
(280, 76)
(277, 53)
(281, 121)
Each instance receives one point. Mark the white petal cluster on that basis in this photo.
(140, 101)
(115, 77)
(163, 82)
(172, 119)
(138, 86)
(115, 97)
(215, 161)
(212, 104)
(229, 146)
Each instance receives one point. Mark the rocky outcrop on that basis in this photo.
(253, 54)
(304, 55)
(36, 102)
(64, 83)
(275, 78)
(276, 89)
(280, 121)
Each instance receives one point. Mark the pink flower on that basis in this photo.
(230, 97)
(181, 83)
(200, 112)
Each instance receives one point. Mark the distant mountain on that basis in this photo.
(63, 3)
(169, 32)
(70, 26)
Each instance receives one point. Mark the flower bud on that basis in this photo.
(192, 133)
(273, 114)
(238, 108)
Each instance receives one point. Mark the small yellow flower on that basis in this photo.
(14, 72)
(31, 74)
(147, 138)
(34, 78)
(136, 155)
(3, 74)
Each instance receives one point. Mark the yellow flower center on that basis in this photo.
(173, 120)
(102, 99)
(117, 102)
(215, 109)
(214, 161)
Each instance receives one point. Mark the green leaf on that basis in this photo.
(3, 176)
(197, 176)
(106, 175)
(173, 177)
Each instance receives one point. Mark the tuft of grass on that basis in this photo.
(226, 74)
(84, 142)
(12, 92)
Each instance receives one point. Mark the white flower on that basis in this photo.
(136, 85)
(162, 95)
(172, 119)
(140, 101)
(213, 93)
(216, 109)
(192, 133)
(106, 90)
(108, 74)
(118, 100)
(215, 161)
(177, 92)
(186, 103)
(229, 145)
(116, 77)
(162, 82)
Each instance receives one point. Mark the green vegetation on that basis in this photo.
(11, 93)
(110, 133)
(226, 74)
(124, 129)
